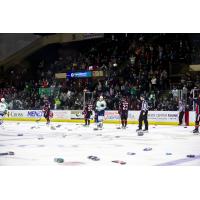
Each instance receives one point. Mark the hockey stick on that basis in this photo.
(7, 153)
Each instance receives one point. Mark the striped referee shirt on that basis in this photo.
(145, 106)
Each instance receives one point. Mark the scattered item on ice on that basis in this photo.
(40, 137)
(140, 133)
(9, 153)
(53, 128)
(191, 156)
(59, 160)
(131, 153)
(147, 149)
(119, 162)
(73, 163)
(94, 158)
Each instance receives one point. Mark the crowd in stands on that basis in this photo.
(134, 65)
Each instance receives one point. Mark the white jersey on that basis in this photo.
(3, 107)
(100, 105)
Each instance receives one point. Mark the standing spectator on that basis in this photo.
(57, 103)
(175, 93)
(184, 91)
(164, 77)
(153, 83)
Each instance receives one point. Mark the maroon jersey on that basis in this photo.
(46, 108)
(88, 109)
(123, 106)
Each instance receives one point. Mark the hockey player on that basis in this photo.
(100, 111)
(197, 102)
(123, 112)
(87, 113)
(3, 110)
(47, 112)
(143, 114)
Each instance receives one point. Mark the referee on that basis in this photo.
(143, 114)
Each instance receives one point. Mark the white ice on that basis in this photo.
(74, 143)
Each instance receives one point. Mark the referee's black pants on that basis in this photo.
(143, 117)
(181, 114)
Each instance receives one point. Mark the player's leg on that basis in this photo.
(100, 123)
(125, 120)
(100, 119)
(1, 119)
(122, 120)
(86, 120)
(181, 117)
(96, 120)
(46, 116)
(196, 130)
(145, 122)
(48, 120)
(140, 122)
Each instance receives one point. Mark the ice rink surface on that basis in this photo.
(37, 144)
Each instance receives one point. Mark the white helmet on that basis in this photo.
(2, 100)
(101, 98)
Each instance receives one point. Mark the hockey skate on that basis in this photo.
(145, 131)
(96, 128)
(139, 129)
(196, 131)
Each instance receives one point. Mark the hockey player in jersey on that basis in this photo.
(100, 111)
(87, 113)
(143, 114)
(47, 112)
(197, 119)
(3, 110)
(123, 112)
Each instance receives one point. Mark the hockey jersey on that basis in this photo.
(3, 108)
(100, 105)
(145, 106)
(123, 106)
(88, 109)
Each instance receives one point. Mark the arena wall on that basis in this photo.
(154, 117)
